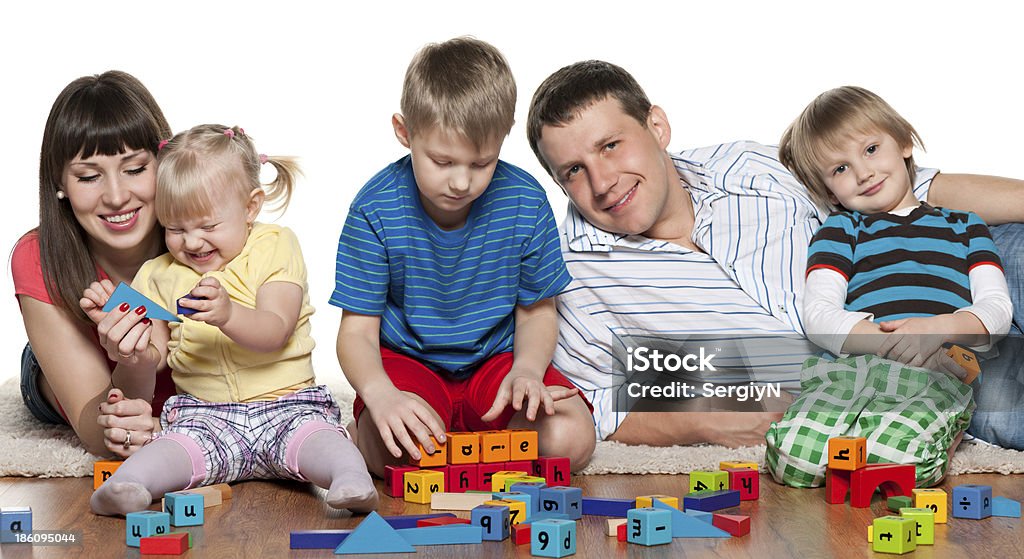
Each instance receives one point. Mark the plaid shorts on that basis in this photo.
(908, 415)
(259, 440)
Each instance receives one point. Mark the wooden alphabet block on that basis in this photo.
(847, 453)
(746, 481)
(554, 470)
(494, 446)
(437, 458)
(966, 359)
(566, 500)
(516, 509)
(894, 534)
(484, 473)
(421, 484)
(972, 501)
(102, 470)
(498, 479)
(925, 519)
(185, 508)
(493, 519)
(709, 481)
(522, 444)
(463, 448)
(463, 477)
(145, 523)
(509, 482)
(524, 498)
(532, 489)
(14, 521)
(553, 538)
(649, 526)
(933, 499)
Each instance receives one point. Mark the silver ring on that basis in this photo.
(127, 439)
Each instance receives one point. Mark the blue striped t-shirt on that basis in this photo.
(448, 298)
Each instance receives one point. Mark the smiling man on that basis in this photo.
(707, 241)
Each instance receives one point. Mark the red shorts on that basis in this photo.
(459, 403)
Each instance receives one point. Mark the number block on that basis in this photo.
(894, 534)
(14, 521)
(516, 509)
(649, 526)
(185, 508)
(566, 500)
(494, 446)
(498, 479)
(847, 453)
(709, 481)
(554, 470)
(972, 501)
(746, 481)
(394, 480)
(463, 448)
(935, 500)
(437, 458)
(493, 519)
(553, 538)
(522, 444)
(966, 359)
(420, 485)
(145, 523)
(463, 477)
(925, 519)
(647, 501)
(102, 470)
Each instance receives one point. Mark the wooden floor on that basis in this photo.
(256, 523)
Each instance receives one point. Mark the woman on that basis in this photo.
(97, 221)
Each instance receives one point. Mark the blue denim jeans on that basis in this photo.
(999, 391)
(30, 393)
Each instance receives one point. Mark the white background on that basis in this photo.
(322, 82)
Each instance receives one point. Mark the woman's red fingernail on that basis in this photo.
(141, 310)
(124, 307)
(146, 320)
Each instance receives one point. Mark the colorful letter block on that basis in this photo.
(498, 479)
(14, 521)
(566, 500)
(531, 488)
(649, 526)
(484, 473)
(522, 444)
(494, 446)
(463, 477)
(894, 534)
(437, 458)
(934, 499)
(746, 481)
(493, 519)
(646, 501)
(421, 484)
(972, 501)
(102, 470)
(463, 448)
(709, 481)
(966, 359)
(185, 508)
(394, 479)
(509, 482)
(144, 524)
(524, 498)
(520, 466)
(553, 538)
(516, 509)
(925, 519)
(847, 453)
(554, 470)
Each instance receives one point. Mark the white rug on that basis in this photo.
(29, 448)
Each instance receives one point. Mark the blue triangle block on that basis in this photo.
(686, 526)
(125, 294)
(374, 535)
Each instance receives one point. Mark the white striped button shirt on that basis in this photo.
(753, 220)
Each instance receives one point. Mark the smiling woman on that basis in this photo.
(97, 222)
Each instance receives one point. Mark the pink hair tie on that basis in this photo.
(229, 133)
(162, 144)
(241, 130)
(263, 159)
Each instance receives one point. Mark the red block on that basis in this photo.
(734, 524)
(891, 479)
(837, 484)
(620, 532)
(746, 481)
(484, 473)
(440, 521)
(519, 466)
(554, 470)
(462, 478)
(173, 544)
(394, 479)
(521, 534)
(443, 470)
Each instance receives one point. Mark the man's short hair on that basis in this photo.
(462, 85)
(569, 91)
(827, 121)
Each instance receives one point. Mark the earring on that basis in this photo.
(61, 195)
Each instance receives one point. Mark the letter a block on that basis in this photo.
(709, 481)
(523, 444)
(14, 521)
(493, 519)
(894, 534)
(746, 482)
(420, 485)
(463, 448)
(186, 509)
(102, 470)
(925, 519)
(438, 458)
(934, 500)
(972, 501)
(649, 526)
(145, 523)
(847, 453)
(553, 538)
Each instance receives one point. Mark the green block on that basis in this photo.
(894, 534)
(709, 481)
(525, 479)
(899, 502)
(925, 524)
(189, 537)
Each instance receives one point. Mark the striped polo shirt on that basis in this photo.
(448, 298)
(753, 221)
(896, 267)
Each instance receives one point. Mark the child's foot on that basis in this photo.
(354, 492)
(113, 499)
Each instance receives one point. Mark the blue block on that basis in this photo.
(607, 507)
(145, 523)
(410, 520)
(972, 501)
(14, 521)
(494, 520)
(519, 496)
(692, 523)
(537, 517)
(531, 488)
(317, 539)
(553, 538)
(186, 509)
(1001, 506)
(185, 311)
(123, 293)
(373, 535)
(443, 535)
(648, 526)
(710, 501)
(566, 500)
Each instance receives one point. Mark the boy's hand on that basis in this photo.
(517, 386)
(212, 303)
(400, 417)
(914, 340)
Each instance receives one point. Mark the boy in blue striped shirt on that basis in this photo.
(446, 271)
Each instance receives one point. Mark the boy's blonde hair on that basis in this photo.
(827, 121)
(193, 164)
(462, 85)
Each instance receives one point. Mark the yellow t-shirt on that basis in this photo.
(206, 363)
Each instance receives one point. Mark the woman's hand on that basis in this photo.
(123, 332)
(127, 424)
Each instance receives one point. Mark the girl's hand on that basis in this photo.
(124, 333)
(212, 303)
(125, 420)
(400, 418)
(517, 386)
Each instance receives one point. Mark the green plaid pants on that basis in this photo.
(908, 415)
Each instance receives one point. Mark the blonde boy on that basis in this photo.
(446, 270)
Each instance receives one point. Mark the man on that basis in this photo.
(711, 240)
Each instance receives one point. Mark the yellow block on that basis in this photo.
(498, 478)
(733, 465)
(421, 484)
(934, 499)
(516, 509)
(647, 501)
